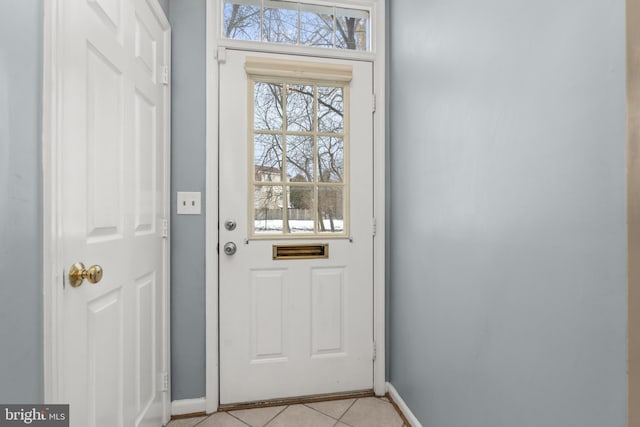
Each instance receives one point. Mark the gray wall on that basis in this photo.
(188, 174)
(508, 212)
(20, 201)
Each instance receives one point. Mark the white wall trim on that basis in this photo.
(212, 380)
(51, 280)
(213, 42)
(163, 21)
(188, 406)
(379, 199)
(402, 405)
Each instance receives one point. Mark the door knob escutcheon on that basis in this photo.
(77, 274)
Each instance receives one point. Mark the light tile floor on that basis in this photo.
(363, 412)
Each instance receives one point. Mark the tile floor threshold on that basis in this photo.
(361, 412)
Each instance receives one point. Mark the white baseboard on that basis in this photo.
(188, 406)
(403, 406)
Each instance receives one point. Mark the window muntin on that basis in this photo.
(295, 23)
(299, 142)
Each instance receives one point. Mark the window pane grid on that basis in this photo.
(298, 176)
(298, 133)
(295, 23)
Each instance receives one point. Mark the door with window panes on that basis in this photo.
(296, 241)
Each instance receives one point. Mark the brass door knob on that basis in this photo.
(77, 274)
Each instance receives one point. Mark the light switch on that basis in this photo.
(189, 203)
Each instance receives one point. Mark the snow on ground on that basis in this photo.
(297, 226)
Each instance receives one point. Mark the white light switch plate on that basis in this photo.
(189, 203)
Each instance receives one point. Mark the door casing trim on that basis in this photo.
(51, 281)
(53, 268)
(214, 49)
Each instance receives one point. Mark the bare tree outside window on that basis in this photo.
(296, 23)
(299, 158)
(242, 21)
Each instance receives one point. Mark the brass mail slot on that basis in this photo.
(301, 251)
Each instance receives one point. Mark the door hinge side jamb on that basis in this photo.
(165, 75)
(164, 381)
(165, 228)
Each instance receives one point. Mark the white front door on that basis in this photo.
(296, 238)
(113, 180)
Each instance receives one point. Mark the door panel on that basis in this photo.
(268, 315)
(146, 179)
(328, 308)
(104, 146)
(109, 11)
(296, 167)
(146, 329)
(106, 358)
(112, 185)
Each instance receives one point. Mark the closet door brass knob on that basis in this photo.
(77, 274)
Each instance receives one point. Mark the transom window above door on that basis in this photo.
(297, 23)
(299, 132)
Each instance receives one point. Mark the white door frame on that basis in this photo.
(215, 51)
(51, 175)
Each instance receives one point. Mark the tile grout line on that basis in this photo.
(345, 412)
(320, 412)
(276, 415)
(343, 423)
(247, 424)
(201, 421)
